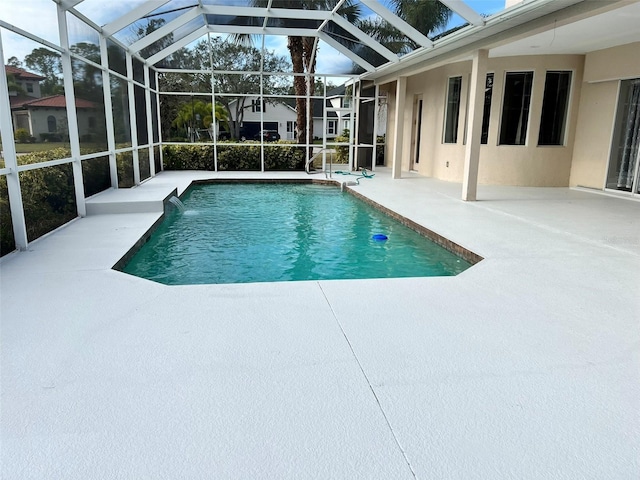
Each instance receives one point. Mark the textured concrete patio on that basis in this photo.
(525, 366)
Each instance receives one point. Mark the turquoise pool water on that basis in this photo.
(239, 233)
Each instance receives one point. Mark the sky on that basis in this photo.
(21, 13)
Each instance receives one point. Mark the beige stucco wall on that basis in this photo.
(39, 121)
(527, 165)
(603, 71)
(613, 63)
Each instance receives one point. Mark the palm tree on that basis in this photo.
(426, 16)
(423, 15)
(303, 52)
(197, 114)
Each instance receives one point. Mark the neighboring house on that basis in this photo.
(280, 115)
(27, 81)
(341, 103)
(46, 118)
(559, 101)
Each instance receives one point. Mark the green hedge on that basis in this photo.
(284, 156)
(48, 194)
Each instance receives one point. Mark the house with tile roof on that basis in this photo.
(45, 118)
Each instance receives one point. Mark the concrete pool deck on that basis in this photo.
(526, 366)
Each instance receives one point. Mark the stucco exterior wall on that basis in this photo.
(526, 165)
(613, 63)
(603, 71)
(39, 121)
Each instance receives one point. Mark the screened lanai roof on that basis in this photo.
(350, 28)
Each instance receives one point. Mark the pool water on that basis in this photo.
(240, 233)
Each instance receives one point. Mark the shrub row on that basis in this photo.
(48, 194)
(283, 156)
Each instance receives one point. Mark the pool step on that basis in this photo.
(143, 199)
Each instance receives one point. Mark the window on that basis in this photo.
(52, 125)
(515, 110)
(30, 87)
(258, 106)
(291, 130)
(347, 125)
(554, 108)
(331, 127)
(453, 110)
(488, 94)
(346, 102)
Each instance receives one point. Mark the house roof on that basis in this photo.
(316, 104)
(54, 101)
(22, 74)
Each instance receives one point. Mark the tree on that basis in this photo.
(89, 51)
(14, 62)
(228, 57)
(196, 115)
(14, 86)
(303, 53)
(87, 80)
(48, 64)
(426, 16)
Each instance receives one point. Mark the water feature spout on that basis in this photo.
(178, 204)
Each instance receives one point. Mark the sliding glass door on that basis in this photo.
(623, 173)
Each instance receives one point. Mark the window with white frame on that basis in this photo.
(452, 113)
(291, 130)
(515, 109)
(553, 119)
(332, 126)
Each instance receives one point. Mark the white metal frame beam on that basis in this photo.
(345, 51)
(177, 45)
(11, 160)
(67, 4)
(365, 39)
(259, 12)
(465, 11)
(133, 16)
(397, 22)
(72, 114)
(166, 29)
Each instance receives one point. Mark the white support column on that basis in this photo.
(72, 117)
(132, 120)
(474, 125)
(11, 162)
(324, 123)
(216, 126)
(108, 112)
(147, 101)
(357, 86)
(262, 106)
(398, 127)
(376, 114)
(353, 124)
(159, 119)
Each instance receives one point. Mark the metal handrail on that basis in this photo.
(313, 157)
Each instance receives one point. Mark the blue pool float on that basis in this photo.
(380, 237)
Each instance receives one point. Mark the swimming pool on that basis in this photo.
(266, 232)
